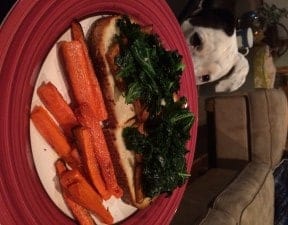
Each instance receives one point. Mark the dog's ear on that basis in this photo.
(186, 27)
(215, 18)
(237, 77)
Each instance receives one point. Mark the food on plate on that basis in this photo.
(85, 145)
(82, 80)
(124, 134)
(79, 189)
(53, 134)
(90, 106)
(79, 212)
(58, 107)
(148, 127)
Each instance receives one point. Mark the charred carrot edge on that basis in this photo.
(78, 35)
(50, 131)
(60, 167)
(85, 145)
(80, 191)
(73, 159)
(80, 213)
(57, 106)
(78, 70)
(85, 118)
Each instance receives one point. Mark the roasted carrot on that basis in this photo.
(54, 136)
(57, 106)
(60, 167)
(78, 35)
(79, 212)
(80, 191)
(73, 159)
(85, 145)
(104, 159)
(82, 78)
(50, 131)
(85, 118)
(77, 31)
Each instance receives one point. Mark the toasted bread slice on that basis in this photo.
(100, 40)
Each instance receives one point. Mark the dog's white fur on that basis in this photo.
(217, 56)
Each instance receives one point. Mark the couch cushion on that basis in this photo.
(268, 113)
(250, 197)
(262, 204)
(230, 130)
(217, 217)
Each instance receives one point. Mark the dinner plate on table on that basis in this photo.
(28, 39)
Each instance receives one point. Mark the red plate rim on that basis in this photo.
(27, 34)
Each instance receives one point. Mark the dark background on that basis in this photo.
(180, 8)
(5, 6)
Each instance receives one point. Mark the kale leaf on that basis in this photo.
(153, 71)
(163, 148)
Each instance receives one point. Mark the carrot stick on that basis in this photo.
(85, 117)
(79, 212)
(85, 144)
(77, 31)
(54, 136)
(83, 194)
(78, 35)
(57, 106)
(82, 77)
(50, 131)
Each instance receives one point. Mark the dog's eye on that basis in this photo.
(196, 41)
(205, 78)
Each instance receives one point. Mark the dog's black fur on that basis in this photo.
(215, 18)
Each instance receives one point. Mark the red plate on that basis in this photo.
(26, 37)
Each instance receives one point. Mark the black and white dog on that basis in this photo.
(211, 36)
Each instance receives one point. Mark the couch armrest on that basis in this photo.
(268, 124)
(250, 194)
(218, 217)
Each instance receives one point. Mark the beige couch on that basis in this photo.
(250, 135)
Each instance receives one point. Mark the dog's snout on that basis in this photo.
(205, 78)
(196, 41)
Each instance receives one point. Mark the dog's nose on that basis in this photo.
(205, 78)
